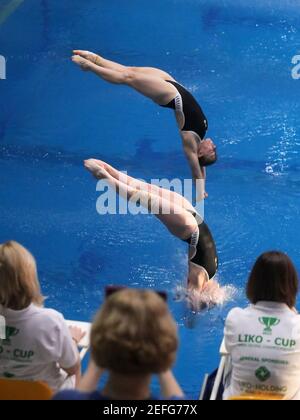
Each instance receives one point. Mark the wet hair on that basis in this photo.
(134, 334)
(208, 160)
(273, 279)
(19, 285)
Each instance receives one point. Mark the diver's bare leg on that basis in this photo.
(152, 71)
(150, 86)
(177, 220)
(174, 197)
(103, 62)
(99, 61)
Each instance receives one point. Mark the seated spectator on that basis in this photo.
(264, 339)
(38, 345)
(133, 337)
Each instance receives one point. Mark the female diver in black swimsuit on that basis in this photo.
(178, 215)
(166, 92)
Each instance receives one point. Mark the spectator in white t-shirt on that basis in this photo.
(264, 339)
(38, 344)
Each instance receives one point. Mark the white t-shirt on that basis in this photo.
(38, 342)
(264, 343)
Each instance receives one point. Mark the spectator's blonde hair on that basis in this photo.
(134, 333)
(19, 285)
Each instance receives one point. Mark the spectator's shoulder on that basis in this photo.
(73, 395)
(66, 396)
(175, 398)
(48, 318)
(53, 314)
(235, 315)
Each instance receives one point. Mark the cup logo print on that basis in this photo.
(10, 332)
(2, 328)
(296, 69)
(263, 374)
(2, 68)
(269, 323)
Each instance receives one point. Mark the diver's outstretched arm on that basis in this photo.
(198, 173)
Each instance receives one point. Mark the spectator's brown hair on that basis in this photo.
(19, 285)
(134, 333)
(273, 279)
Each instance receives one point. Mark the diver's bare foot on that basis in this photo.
(96, 169)
(90, 56)
(103, 164)
(85, 65)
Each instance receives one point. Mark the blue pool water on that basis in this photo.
(236, 58)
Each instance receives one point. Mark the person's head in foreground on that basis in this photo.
(134, 334)
(207, 153)
(133, 337)
(273, 279)
(19, 285)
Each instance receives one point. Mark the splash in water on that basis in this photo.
(210, 296)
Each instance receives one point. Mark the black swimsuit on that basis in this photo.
(202, 242)
(193, 116)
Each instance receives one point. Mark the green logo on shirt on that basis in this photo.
(8, 375)
(10, 332)
(269, 323)
(263, 374)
